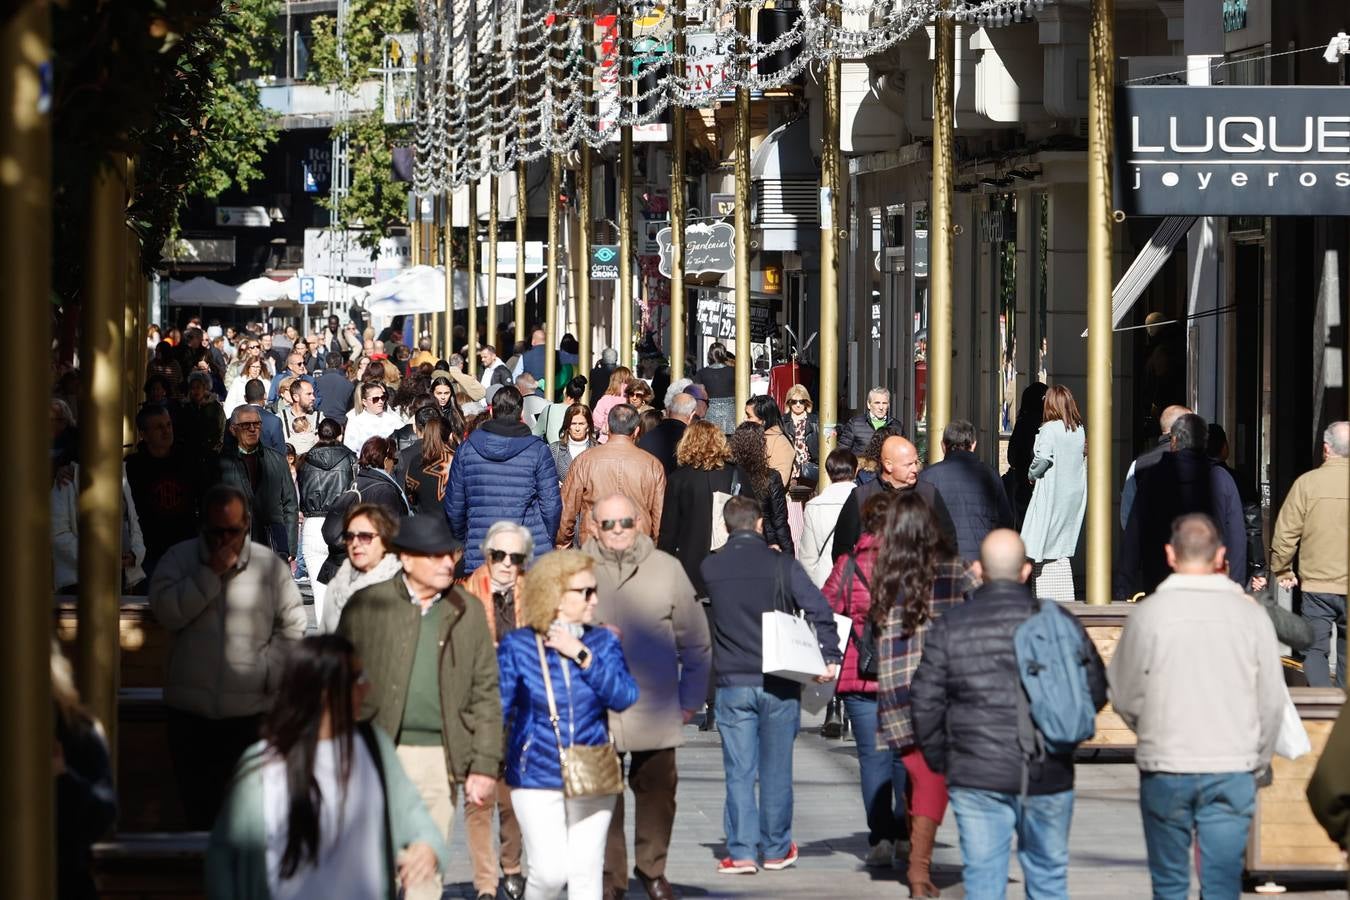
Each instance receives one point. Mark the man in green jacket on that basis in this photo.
(433, 670)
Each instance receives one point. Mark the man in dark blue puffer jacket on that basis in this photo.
(973, 493)
(503, 472)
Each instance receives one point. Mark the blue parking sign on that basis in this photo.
(306, 290)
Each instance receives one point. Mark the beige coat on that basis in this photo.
(645, 593)
(781, 454)
(230, 633)
(617, 467)
(1312, 522)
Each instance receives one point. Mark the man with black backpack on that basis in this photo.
(1006, 689)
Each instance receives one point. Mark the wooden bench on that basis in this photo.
(144, 642)
(147, 790)
(152, 866)
(1104, 624)
(1285, 838)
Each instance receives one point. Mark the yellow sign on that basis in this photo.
(773, 279)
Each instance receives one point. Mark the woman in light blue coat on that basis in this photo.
(321, 807)
(1055, 514)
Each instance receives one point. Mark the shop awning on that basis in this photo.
(1146, 265)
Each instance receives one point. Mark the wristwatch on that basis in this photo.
(583, 657)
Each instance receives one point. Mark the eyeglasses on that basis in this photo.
(611, 524)
(248, 426)
(361, 537)
(517, 559)
(587, 592)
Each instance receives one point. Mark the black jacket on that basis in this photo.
(849, 527)
(742, 578)
(167, 493)
(856, 433)
(774, 507)
(662, 441)
(963, 699)
(810, 434)
(335, 395)
(974, 498)
(686, 517)
(378, 486)
(329, 471)
(273, 502)
(1180, 482)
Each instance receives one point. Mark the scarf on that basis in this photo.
(347, 581)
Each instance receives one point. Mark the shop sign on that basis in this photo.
(1226, 151)
(773, 279)
(339, 254)
(717, 318)
(605, 262)
(708, 247)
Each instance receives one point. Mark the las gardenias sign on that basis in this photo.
(1206, 151)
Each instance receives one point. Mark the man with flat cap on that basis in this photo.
(432, 668)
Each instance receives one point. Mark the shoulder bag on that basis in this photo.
(864, 641)
(587, 770)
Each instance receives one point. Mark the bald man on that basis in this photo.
(1148, 459)
(964, 705)
(899, 472)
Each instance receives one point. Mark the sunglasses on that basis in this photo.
(797, 402)
(248, 426)
(612, 524)
(587, 592)
(379, 399)
(361, 537)
(517, 559)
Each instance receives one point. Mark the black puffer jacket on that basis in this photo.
(378, 486)
(329, 470)
(974, 497)
(856, 433)
(774, 506)
(963, 699)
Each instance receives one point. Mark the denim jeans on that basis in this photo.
(1326, 614)
(883, 775)
(758, 727)
(987, 820)
(1218, 808)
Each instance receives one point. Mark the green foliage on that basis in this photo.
(375, 202)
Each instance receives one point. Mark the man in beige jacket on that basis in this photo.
(1197, 675)
(1313, 522)
(616, 467)
(645, 595)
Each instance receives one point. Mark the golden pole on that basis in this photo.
(624, 344)
(940, 237)
(102, 352)
(471, 268)
(678, 329)
(492, 266)
(551, 283)
(1101, 121)
(449, 344)
(26, 834)
(827, 404)
(742, 221)
(522, 214)
(584, 254)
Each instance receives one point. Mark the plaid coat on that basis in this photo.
(900, 655)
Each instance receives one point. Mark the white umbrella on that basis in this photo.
(202, 291)
(421, 289)
(261, 290)
(325, 289)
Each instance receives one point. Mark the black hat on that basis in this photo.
(428, 534)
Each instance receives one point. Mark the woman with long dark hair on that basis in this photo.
(756, 479)
(917, 576)
(719, 378)
(443, 391)
(575, 437)
(1022, 449)
(320, 807)
(425, 464)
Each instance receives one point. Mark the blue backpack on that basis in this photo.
(1052, 664)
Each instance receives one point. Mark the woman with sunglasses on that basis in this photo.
(559, 652)
(321, 807)
(367, 531)
(803, 431)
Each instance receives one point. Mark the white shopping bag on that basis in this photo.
(790, 647)
(816, 696)
(1293, 739)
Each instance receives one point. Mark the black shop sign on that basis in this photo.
(1232, 151)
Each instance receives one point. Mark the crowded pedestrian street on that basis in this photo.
(658, 449)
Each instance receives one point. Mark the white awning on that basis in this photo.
(1146, 265)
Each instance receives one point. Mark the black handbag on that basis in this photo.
(864, 641)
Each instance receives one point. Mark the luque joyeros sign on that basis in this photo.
(708, 247)
(1222, 151)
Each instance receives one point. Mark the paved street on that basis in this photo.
(1107, 843)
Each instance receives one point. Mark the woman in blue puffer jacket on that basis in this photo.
(589, 678)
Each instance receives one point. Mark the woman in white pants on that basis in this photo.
(559, 653)
(328, 472)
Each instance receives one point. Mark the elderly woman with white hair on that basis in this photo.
(508, 550)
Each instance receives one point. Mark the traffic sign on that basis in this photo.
(306, 290)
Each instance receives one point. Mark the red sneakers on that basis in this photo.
(774, 865)
(737, 867)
